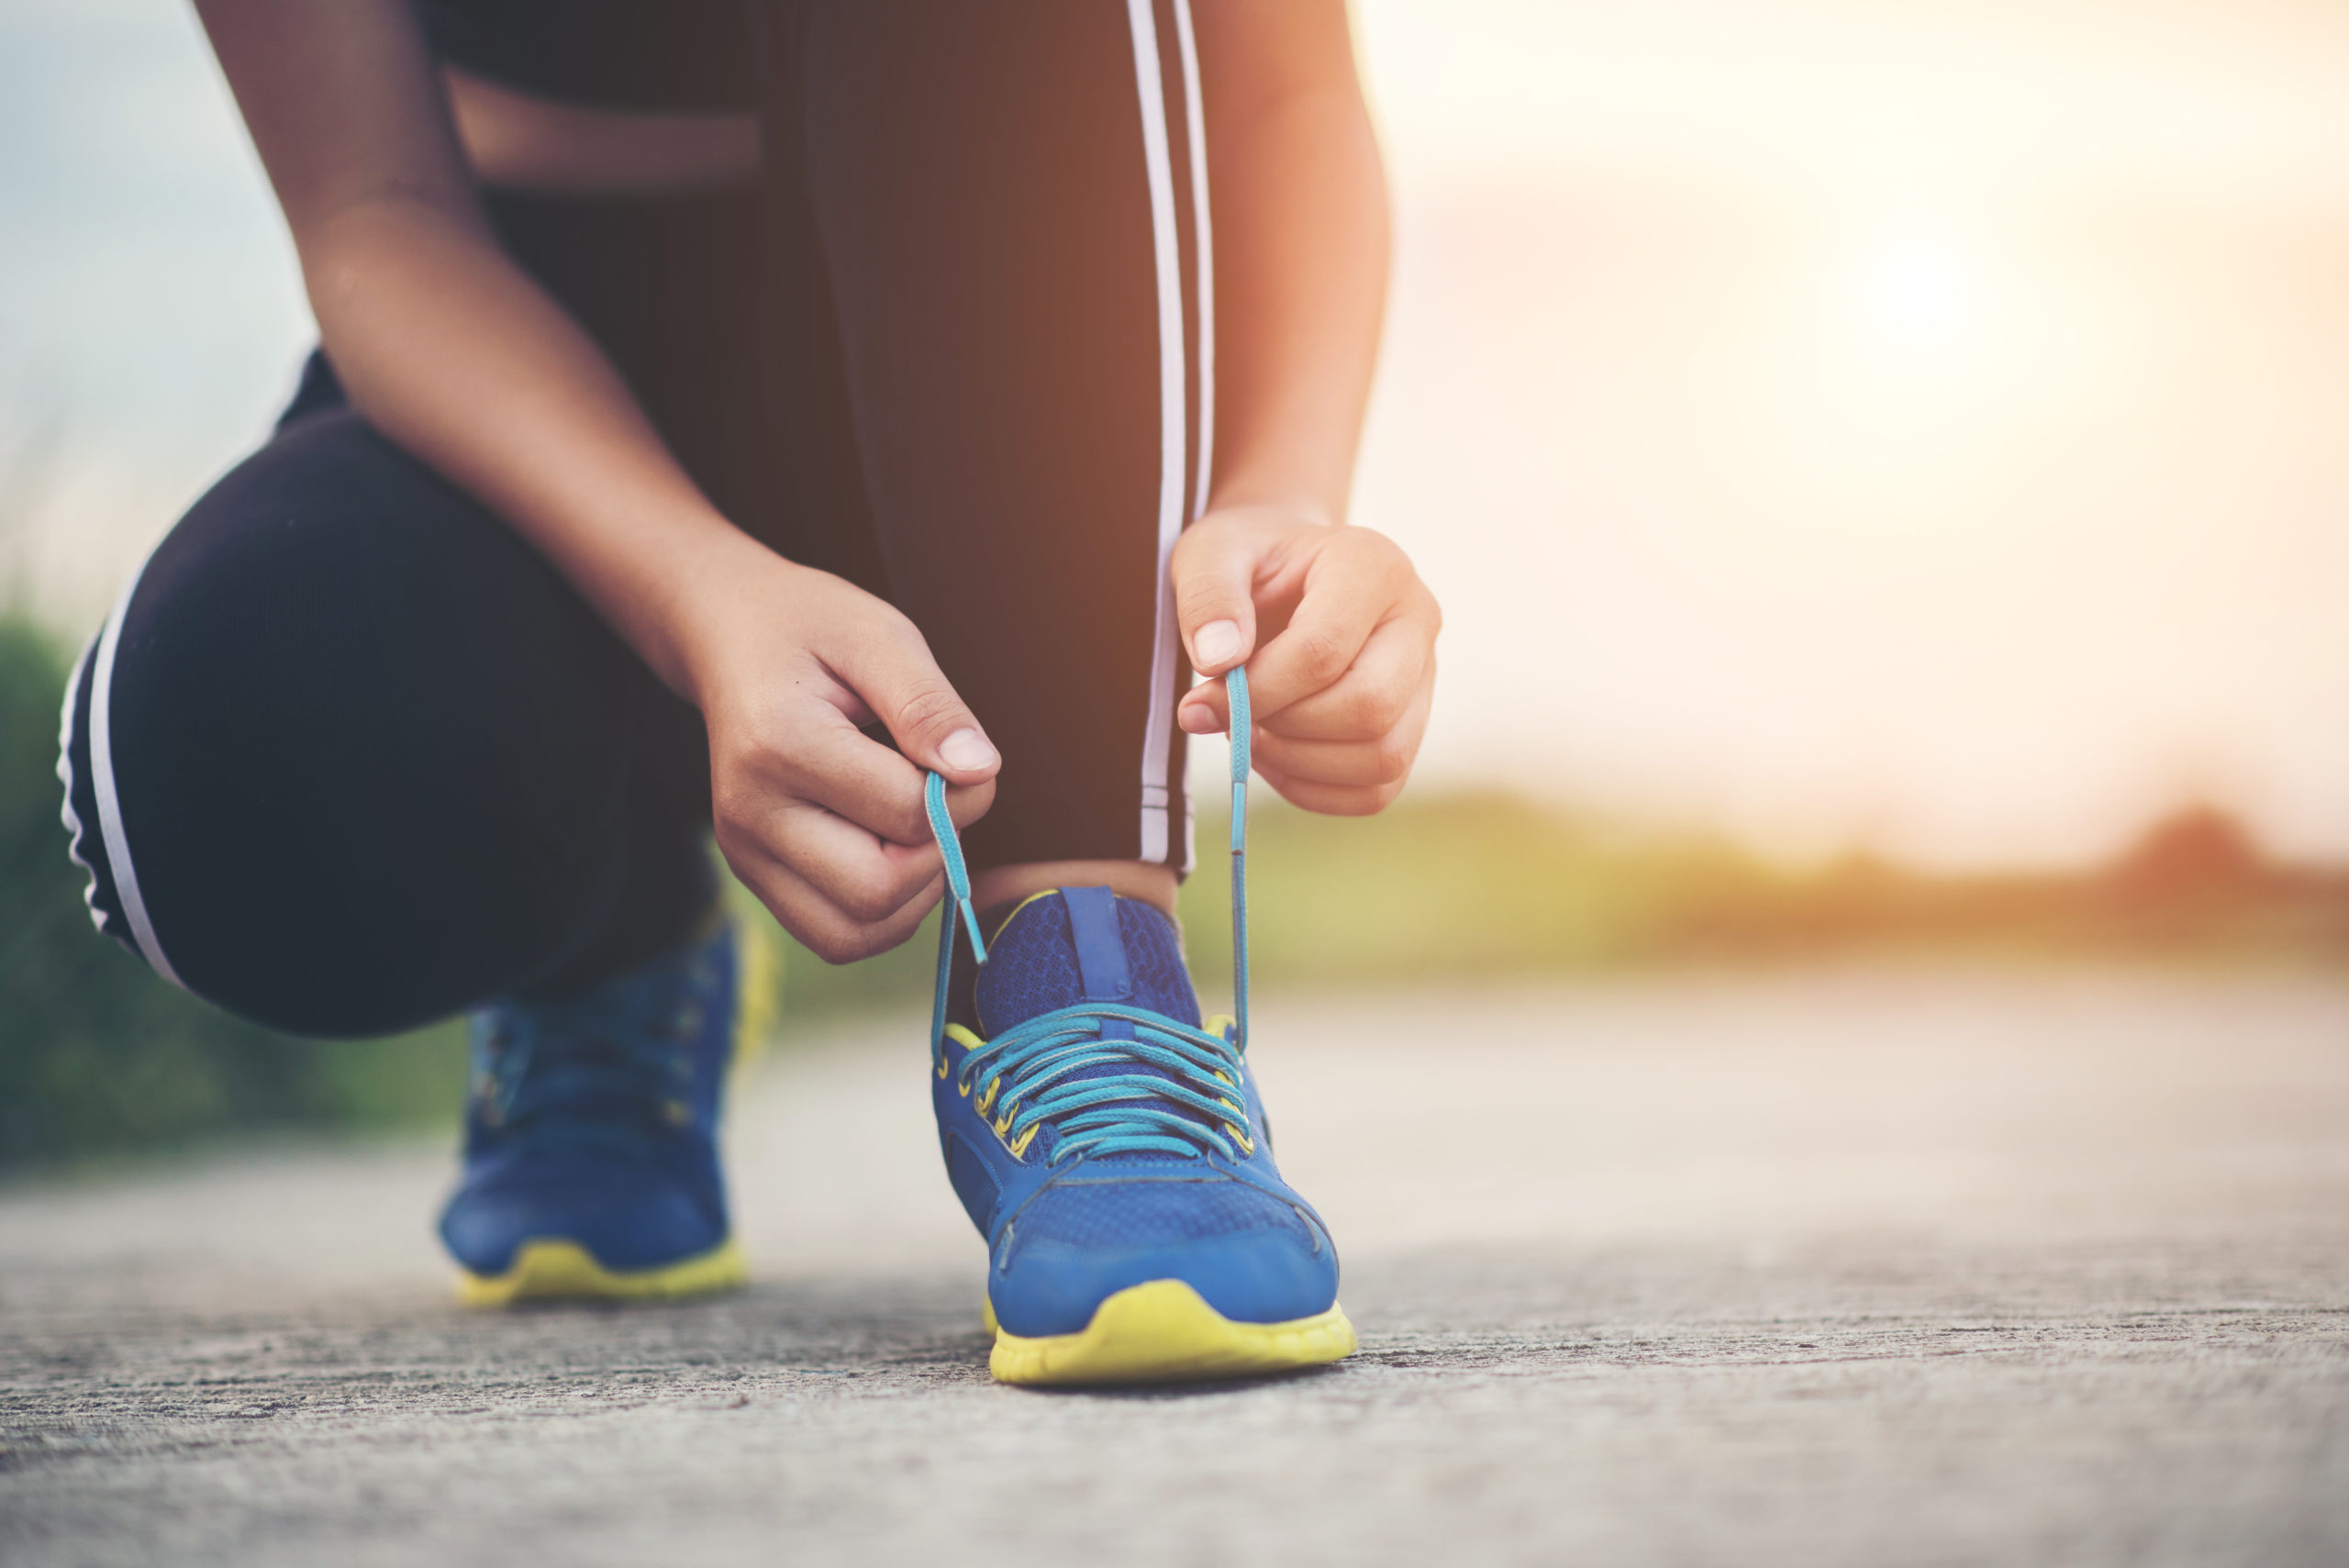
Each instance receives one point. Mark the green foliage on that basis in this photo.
(96, 1053)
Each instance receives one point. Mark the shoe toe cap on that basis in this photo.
(1251, 1256)
(627, 1219)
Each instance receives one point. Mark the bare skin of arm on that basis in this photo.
(454, 353)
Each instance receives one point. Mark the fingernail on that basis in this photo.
(1198, 719)
(1218, 643)
(966, 752)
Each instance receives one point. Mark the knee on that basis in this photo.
(346, 745)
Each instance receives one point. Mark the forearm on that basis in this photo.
(1301, 248)
(444, 344)
(455, 354)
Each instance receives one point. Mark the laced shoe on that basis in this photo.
(591, 1162)
(1114, 1151)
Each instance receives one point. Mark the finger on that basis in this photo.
(1204, 710)
(1368, 763)
(838, 766)
(1371, 699)
(822, 927)
(867, 878)
(1349, 589)
(1365, 703)
(1332, 800)
(890, 667)
(1213, 573)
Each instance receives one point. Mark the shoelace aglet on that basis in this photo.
(958, 870)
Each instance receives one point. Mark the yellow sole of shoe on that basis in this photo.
(564, 1270)
(1163, 1332)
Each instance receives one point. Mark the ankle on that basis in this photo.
(1140, 880)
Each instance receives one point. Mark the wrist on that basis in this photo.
(1284, 504)
(707, 581)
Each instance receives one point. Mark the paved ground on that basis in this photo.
(1827, 1270)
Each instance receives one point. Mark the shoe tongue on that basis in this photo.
(1083, 944)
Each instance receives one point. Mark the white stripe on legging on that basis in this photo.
(1203, 243)
(71, 818)
(1158, 162)
(1203, 271)
(126, 879)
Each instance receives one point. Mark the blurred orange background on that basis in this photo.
(1917, 428)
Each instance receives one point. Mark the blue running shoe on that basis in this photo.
(591, 1134)
(1113, 1150)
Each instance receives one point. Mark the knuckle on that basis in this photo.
(1375, 547)
(929, 704)
(878, 618)
(1376, 709)
(909, 822)
(838, 944)
(1391, 762)
(867, 897)
(1320, 657)
(743, 750)
(1361, 801)
(1198, 598)
(731, 813)
(761, 756)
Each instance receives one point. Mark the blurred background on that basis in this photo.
(1886, 464)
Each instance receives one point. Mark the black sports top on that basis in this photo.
(621, 54)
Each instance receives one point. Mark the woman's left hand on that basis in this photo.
(1341, 688)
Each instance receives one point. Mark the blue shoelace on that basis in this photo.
(1170, 1088)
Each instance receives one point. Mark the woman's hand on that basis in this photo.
(822, 822)
(1346, 629)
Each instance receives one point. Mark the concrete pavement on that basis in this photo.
(1821, 1268)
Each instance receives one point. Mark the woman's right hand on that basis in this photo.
(822, 822)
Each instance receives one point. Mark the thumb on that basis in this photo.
(1214, 571)
(908, 693)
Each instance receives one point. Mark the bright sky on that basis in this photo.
(1922, 426)
(1845, 421)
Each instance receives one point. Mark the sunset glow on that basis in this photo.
(1921, 298)
(1918, 427)
(1912, 426)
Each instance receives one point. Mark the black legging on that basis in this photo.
(349, 755)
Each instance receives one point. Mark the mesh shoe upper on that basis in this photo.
(1067, 1227)
(594, 1118)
